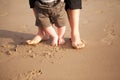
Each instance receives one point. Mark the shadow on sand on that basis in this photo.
(19, 38)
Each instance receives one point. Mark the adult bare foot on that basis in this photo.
(78, 45)
(41, 35)
(35, 40)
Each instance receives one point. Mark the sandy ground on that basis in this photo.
(99, 60)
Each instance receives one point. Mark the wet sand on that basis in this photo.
(99, 60)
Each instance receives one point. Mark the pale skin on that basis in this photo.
(43, 34)
(73, 16)
(77, 43)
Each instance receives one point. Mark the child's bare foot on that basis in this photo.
(55, 42)
(35, 40)
(61, 41)
(78, 45)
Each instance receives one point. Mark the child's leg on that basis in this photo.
(45, 35)
(41, 35)
(51, 31)
(61, 32)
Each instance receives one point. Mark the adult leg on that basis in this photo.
(73, 15)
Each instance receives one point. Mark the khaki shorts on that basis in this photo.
(46, 15)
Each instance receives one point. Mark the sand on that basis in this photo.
(99, 60)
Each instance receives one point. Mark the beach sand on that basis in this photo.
(99, 60)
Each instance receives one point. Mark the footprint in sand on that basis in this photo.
(3, 14)
(109, 39)
(30, 75)
(7, 49)
(111, 35)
